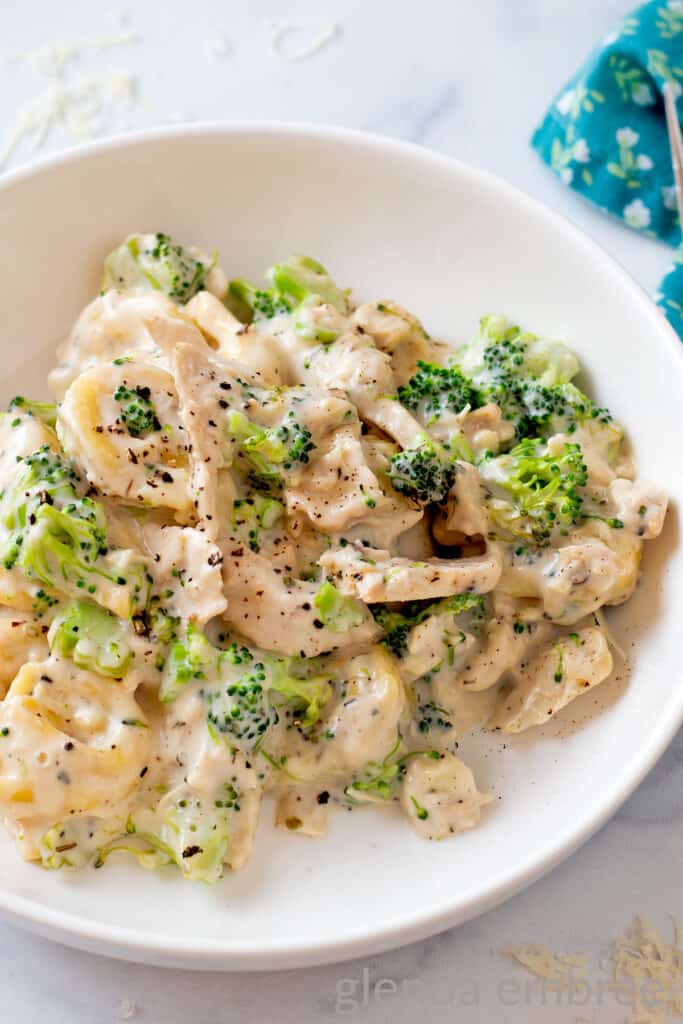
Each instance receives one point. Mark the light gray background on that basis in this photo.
(471, 79)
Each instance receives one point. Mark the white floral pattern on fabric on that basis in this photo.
(605, 133)
(636, 214)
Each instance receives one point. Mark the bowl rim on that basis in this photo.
(77, 931)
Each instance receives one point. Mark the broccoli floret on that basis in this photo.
(246, 707)
(398, 624)
(307, 695)
(435, 390)
(501, 351)
(190, 657)
(535, 491)
(45, 411)
(249, 302)
(269, 451)
(155, 261)
(137, 410)
(196, 830)
(92, 638)
(337, 612)
(241, 709)
(254, 514)
(300, 278)
(56, 534)
(381, 779)
(424, 473)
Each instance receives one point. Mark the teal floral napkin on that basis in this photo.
(605, 134)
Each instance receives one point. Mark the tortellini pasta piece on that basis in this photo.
(556, 675)
(122, 424)
(121, 325)
(71, 743)
(440, 797)
(360, 725)
(255, 352)
(22, 638)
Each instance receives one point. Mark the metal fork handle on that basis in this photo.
(676, 143)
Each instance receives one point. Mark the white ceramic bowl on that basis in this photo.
(450, 243)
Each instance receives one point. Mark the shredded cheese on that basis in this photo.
(79, 107)
(642, 956)
(646, 969)
(52, 58)
(281, 33)
(559, 968)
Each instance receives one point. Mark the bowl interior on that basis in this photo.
(450, 244)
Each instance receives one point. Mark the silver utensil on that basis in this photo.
(676, 143)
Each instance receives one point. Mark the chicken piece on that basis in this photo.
(464, 514)
(553, 678)
(355, 364)
(277, 611)
(396, 332)
(337, 488)
(374, 576)
(440, 797)
(640, 505)
(256, 353)
(201, 385)
(186, 567)
(482, 429)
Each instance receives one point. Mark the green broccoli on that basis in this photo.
(190, 657)
(253, 515)
(137, 412)
(196, 830)
(501, 351)
(240, 708)
(155, 261)
(380, 779)
(424, 473)
(300, 278)
(269, 451)
(434, 390)
(535, 492)
(399, 623)
(45, 411)
(56, 534)
(336, 611)
(307, 695)
(92, 638)
(248, 302)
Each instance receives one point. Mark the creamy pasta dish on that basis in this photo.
(270, 540)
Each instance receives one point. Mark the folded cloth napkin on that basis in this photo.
(605, 134)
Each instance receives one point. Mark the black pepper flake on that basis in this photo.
(323, 797)
(191, 851)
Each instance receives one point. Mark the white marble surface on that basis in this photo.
(470, 79)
